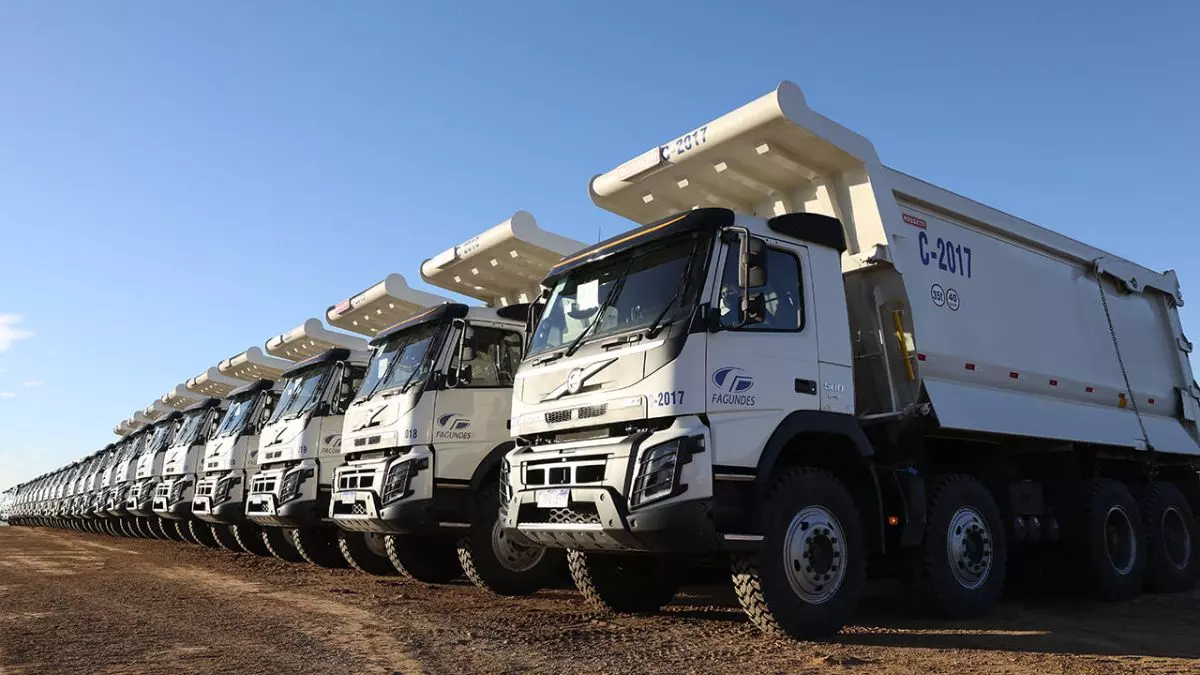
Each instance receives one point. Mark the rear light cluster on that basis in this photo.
(659, 468)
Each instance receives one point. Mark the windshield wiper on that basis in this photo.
(612, 296)
(679, 288)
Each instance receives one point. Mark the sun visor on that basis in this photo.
(310, 339)
(211, 383)
(252, 365)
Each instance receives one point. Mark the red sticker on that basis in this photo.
(914, 221)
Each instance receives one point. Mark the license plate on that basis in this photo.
(346, 498)
(553, 499)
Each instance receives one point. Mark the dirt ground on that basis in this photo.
(72, 602)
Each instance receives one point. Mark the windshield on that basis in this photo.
(162, 434)
(301, 392)
(401, 360)
(649, 287)
(237, 416)
(192, 428)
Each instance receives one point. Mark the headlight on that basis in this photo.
(395, 485)
(659, 468)
(292, 482)
(221, 491)
(505, 486)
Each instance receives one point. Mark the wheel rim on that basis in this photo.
(375, 544)
(814, 555)
(1177, 540)
(513, 556)
(1119, 540)
(969, 548)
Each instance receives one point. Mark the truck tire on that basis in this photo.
(960, 567)
(143, 527)
(201, 533)
(130, 528)
(279, 542)
(318, 546)
(1108, 542)
(1172, 535)
(365, 552)
(181, 527)
(429, 559)
(223, 535)
(250, 537)
(622, 583)
(495, 563)
(168, 529)
(806, 579)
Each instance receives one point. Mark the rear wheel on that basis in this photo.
(250, 537)
(279, 542)
(1172, 534)
(318, 546)
(808, 575)
(365, 552)
(494, 562)
(622, 583)
(223, 535)
(1108, 542)
(959, 569)
(429, 559)
(201, 533)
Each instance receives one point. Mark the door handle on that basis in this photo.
(806, 387)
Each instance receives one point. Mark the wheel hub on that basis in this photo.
(375, 544)
(1119, 540)
(1177, 540)
(814, 554)
(513, 556)
(969, 548)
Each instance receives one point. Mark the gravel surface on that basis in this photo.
(72, 602)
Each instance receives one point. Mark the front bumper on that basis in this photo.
(287, 496)
(173, 497)
(388, 495)
(598, 476)
(141, 498)
(221, 499)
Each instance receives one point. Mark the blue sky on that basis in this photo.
(179, 181)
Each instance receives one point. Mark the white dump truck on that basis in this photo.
(301, 441)
(426, 433)
(231, 455)
(122, 476)
(808, 361)
(162, 423)
(173, 495)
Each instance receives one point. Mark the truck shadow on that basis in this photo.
(1030, 619)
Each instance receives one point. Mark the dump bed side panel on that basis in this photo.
(1014, 338)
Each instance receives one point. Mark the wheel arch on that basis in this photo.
(491, 463)
(835, 443)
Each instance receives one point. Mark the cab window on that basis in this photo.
(783, 294)
(497, 353)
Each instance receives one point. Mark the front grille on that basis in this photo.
(579, 513)
(356, 480)
(590, 411)
(559, 416)
(552, 472)
(263, 484)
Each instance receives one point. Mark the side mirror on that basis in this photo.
(752, 272)
(466, 348)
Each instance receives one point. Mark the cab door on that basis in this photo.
(760, 371)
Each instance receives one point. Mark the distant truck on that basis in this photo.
(300, 444)
(426, 433)
(810, 361)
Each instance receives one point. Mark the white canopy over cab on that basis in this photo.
(310, 339)
(252, 365)
(128, 426)
(180, 398)
(212, 383)
(385, 304)
(502, 266)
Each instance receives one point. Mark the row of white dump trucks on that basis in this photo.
(797, 364)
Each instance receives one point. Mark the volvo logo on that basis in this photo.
(575, 381)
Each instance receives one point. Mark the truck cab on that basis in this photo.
(424, 436)
(231, 455)
(173, 494)
(148, 471)
(122, 478)
(300, 443)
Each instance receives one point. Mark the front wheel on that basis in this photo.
(223, 535)
(318, 546)
(496, 563)
(623, 583)
(250, 537)
(429, 559)
(806, 579)
(958, 571)
(279, 542)
(201, 533)
(365, 552)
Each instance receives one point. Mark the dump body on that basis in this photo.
(1001, 321)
